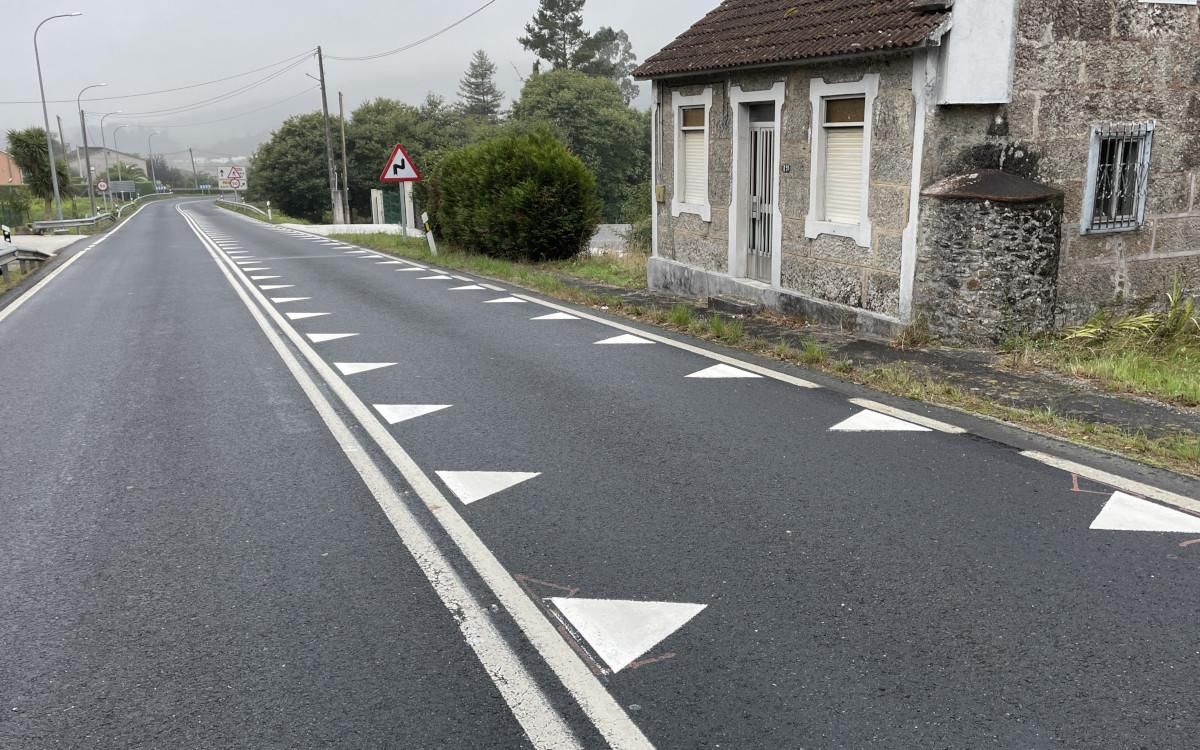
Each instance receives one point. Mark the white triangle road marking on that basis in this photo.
(473, 486)
(463, 278)
(321, 338)
(397, 413)
(285, 300)
(272, 287)
(434, 278)
(621, 631)
(411, 270)
(390, 263)
(1128, 513)
(872, 421)
(556, 316)
(468, 288)
(504, 301)
(723, 371)
(306, 316)
(264, 278)
(494, 288)
(253, 270)
(355, 368)
(627, 338)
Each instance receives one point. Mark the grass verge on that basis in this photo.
(1177, 453)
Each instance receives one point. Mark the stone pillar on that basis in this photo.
(987, 257)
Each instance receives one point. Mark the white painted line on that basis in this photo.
(273, 287)
(764, 371)
(255, 270)
(411, 270)
(285, 300)
(504, 301)
(626, 338)
(390, 263)
(1112, 480)
(529, 705)
(463, 278)
(357, 368)
(468, 288)
(397, 413)
(19, 301)
(473, 486)
(321, 338)
(621, 631)
(264, 278)
(434, 278)
(495, 288)
(556, 316)
(306, 316)
(720, 372)
(908, 416)
(1128, 513)
(873, 421)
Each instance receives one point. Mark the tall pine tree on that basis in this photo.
(556, 32)
(478, 91)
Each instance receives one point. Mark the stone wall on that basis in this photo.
(1079, 63)
(827, 268)
(987, 265)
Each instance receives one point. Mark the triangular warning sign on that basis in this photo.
(621, 631)
(400, 168)
(1128, 513)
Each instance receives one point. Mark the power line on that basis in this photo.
(243, 74)
(233, 117)
(417, 43)
(216, 99)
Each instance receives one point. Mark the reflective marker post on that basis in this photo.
(429, 234)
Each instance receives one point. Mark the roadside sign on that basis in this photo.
(123, 186)
(400, 168)
(102, 186)
(232, 178)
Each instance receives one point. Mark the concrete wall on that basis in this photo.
(1079, 63)
(827, 268)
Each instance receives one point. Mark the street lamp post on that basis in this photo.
(117, 148)
(86, 154)
(150, 148)
(104, 145)
(45, 113)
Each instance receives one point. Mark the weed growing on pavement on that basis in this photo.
(812, 353)
(680, 315)
(914, 335)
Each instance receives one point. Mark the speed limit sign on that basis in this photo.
(102, 186)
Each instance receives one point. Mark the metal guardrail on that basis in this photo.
(231, 204)
(8, 253)
(42, 227)
(140, 198)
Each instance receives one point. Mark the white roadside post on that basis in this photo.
(428, 234)
(269, 219)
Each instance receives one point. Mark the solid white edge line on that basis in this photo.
(1131, 486)
(12, 308)
(908, 416)
(765, 371)
(592, 697)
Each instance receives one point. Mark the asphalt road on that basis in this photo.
(194, 559)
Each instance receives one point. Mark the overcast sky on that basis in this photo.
(146, 45)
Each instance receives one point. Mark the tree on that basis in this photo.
(290, 169)
(591, 117)
(478, 91)
(28, 150)
(126, 171)
(609, 54)
(556, 32)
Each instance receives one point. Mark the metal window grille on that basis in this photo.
(1118, 176)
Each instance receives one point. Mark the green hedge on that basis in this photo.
(516, 195)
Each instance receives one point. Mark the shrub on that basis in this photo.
(516, 195)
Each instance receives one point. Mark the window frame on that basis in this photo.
(680, 102)
(1098, 133)
(820, 92)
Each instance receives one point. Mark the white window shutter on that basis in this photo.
(843, 175)
(695, 167)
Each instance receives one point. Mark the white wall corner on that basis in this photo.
(655, 150)
(924, 82)
(979, 53)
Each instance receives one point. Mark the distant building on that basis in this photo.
(10, 173)
(76, 162)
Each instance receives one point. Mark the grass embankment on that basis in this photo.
(1171, 375)
(10, 280)
(1178, 453)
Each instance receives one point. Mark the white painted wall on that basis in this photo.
(978, 53)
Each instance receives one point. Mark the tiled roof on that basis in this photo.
(742, 33)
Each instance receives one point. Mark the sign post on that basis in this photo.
(401, 171)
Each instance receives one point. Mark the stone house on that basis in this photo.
(994, 166)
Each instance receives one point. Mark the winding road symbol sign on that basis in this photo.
(400, 168)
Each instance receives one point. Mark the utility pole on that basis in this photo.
(333, 189)
(87, 155)
(345, 161)
(63, 143)
(195, 175)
